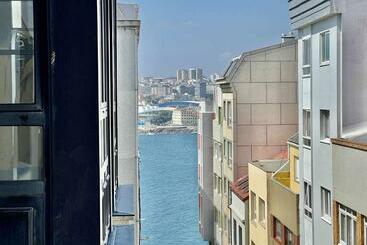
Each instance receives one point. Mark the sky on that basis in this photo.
(205, 33)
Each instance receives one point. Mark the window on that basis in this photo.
(347, 226)
(307, 127)
(219, 115)
(289, 237)
(234, 232)
(225, 147)
(225, 188)
(218, 151)
(225, 109)
(296, 169)
(324, 124)
(225, 222)
(17, 84)
(306, 66)
(262, 211)
(325, 204)
(308, 199)
(365, 230)
(277, 230)
(229, 113)
(21, 153)
(253, 206)
(229, 154)
(325, 48)
(240, 235)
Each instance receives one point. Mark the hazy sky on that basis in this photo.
(205, 33)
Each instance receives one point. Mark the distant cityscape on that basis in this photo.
(171, 104)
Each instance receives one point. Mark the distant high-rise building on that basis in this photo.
(182, 75)
(193, 74)
(199, 73)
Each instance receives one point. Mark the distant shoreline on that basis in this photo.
(168, 130)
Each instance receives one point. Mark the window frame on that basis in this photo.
(289, 234)
(230, 154)
(307, 130)
(306, 66)
(325, 125)
(365, 230)
(296, 169)
(277, 238)
(350, 215)
(253, 207)
(262, 212)
(40, 62)
(229, 114)
(325, 209)
(307, 199)
(322, 42)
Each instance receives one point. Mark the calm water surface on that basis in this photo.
(169, 189)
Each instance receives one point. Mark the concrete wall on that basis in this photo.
(349, 173)
(205, 166)
(283, 204)
(265, 103)
(258, 185)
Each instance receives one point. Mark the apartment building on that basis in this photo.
(348, 203)
(239, 211)
(56, 79)
(205, 171)
(187, 116)
(127, 185)
(273, 205)
(332, 78)
(256, 114)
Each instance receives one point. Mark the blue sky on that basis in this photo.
(205, 33)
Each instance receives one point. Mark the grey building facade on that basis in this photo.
(332, 85)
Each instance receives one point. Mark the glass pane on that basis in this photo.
(16, 25)
(16, 79)
(21, 153)
(16, 52)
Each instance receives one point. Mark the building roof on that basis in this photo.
(241, 188)
(269, 166)
(236, 62)
(359, 143)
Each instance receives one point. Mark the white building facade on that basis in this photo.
(128, 27)
(332, 84)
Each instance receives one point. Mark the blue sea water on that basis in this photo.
(169, 190)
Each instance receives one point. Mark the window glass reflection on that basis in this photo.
(21, 150)
(16, 52)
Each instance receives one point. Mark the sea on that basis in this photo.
(169, 189)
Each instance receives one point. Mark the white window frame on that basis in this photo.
(322, 42)
(296, 169)
(326, 204)
(325, 125)
(253, 207)
(262, 212)
(307, 199)
(365, 230)
(229, 113)
(306, 67)
(230, 153)
(306, 134)
(350, 215)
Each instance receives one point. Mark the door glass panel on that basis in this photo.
(21, 150)
(16, 52)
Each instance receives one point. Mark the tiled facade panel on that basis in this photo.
(243, 114)
(266, 152)
(251, 135)
(288, 71)
(281, 92)
(278, 134)
(289, 114)
(245, 155)
(251, 92)
(265, 72)
(288, 53)
(265, 113)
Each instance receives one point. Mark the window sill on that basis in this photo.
(306, 76)
(325, 63)
(325, 141)
(326, 219)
